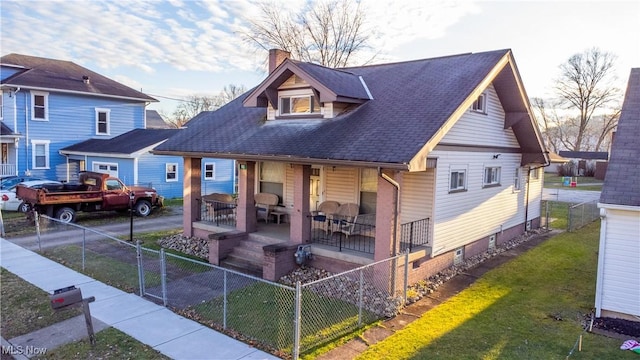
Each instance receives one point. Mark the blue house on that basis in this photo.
(59, 118)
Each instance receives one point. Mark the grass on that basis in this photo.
(25, 309)
(530, 308)
(553, 181)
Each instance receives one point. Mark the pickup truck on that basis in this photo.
(94, 192)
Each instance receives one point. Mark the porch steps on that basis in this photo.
(247, 257)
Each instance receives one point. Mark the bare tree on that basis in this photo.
(327, 32)
(195, 104)
(586, 86)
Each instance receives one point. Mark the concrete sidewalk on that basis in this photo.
(154, 325)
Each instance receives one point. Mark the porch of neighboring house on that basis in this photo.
(264, 244)
(7, 155)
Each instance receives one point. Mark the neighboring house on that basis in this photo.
(618, 279)
(556, 161)
(586, 162)
(441, 156)
(59, 118)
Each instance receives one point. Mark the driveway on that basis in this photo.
(570, 196)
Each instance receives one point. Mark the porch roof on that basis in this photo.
(411, 102)
(128, 143)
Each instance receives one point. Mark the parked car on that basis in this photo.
(9, 201)
(8, 182)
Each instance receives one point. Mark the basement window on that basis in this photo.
(458, 256)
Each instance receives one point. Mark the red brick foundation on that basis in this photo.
(279, 260)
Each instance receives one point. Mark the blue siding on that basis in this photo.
(72, 119)
(6, 72)
(224, 177)
(152, 169)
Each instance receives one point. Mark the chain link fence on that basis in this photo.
(582, 214)
(569, 216)
(285, 319)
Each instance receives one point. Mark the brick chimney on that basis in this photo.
(276, 57)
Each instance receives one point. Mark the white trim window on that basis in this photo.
(39, 106)
(458, 180)
(480, 104)
(209, 171)
(491, 176)
(171, 172)
(298, 102)
(517, 182)
(535, 173)
(103, 121)
(40, 154)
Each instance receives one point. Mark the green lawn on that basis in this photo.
(553, 181)
(530, 308)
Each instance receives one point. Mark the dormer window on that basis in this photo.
(299, 104)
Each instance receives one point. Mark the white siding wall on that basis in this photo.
(341, 184)
(535, 192)
(416, 201)
(288, 187)
(621, 265)
(475, 128)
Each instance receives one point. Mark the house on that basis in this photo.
(59, 118)
(587, 163)
(618, 277)
(556, 162)
(440, 157)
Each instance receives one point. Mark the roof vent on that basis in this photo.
(85, 79)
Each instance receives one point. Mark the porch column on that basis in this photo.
(246, 209)
(300, 227)
(385, 215)
(191, 193)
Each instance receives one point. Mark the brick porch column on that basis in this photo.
(246, 210)
(385, 212)
(191, 193)
(300, 222)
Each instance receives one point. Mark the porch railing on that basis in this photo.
(356, 234)
(7, 169)
(219, 213)
(414, 234)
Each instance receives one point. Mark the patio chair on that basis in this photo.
(345, 213)
(362, 224)
(265, 203)
(219, 205)
(325, 211)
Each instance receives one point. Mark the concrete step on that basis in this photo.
(266, 240)
(242, 265)
(256, 255)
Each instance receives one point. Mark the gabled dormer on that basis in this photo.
(297, 90)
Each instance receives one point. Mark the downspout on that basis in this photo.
(395, 215)
(16, 143)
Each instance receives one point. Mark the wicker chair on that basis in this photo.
(345, 213)
(265, 203)
(325, 211)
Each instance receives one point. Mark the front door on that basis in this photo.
(314, 189)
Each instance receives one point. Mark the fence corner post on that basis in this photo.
(140, 269)
(163, 276)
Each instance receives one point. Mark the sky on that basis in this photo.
(171, 49)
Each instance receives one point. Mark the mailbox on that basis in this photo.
(64, 297)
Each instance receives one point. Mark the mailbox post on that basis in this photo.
(69, 297)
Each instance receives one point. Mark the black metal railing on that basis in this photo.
(219, 213)
(356, 234)
(414, 234)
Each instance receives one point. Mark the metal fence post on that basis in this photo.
(296, 321)
(37, 219)
(569, 225)
(360, 296)
(224, 301)
(406, 275)
(84, 246)
(140, 269)
(163, 276)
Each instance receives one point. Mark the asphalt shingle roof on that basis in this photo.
(155, 120)
(621, 183)
(43, 73)
(127, 143)
(585, 155)
(412, 100)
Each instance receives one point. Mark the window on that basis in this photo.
(106, 168)
(40, 154)
(491, 176)
(40, 103)
(209, 171)
(172, 172)
(1, 104)
(302, 104)
(480, 105)
(535, 173)
(516, 180)
(458, 180)
(458, 256)
(492, 242)
(368, 190)
(272, 178)
(102, 121)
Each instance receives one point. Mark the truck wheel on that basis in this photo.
(66, 215)
(143, 208)
(24, 207)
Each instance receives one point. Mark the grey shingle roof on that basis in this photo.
(621, 183)
(412, 100)
(585, 155)
(43, 73)
(5, 130)
(127, 143)
(155, 121)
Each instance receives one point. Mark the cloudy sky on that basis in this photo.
(174, 48)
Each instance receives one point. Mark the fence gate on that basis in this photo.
(151, 273)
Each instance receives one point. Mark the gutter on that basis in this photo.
(397, 203)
